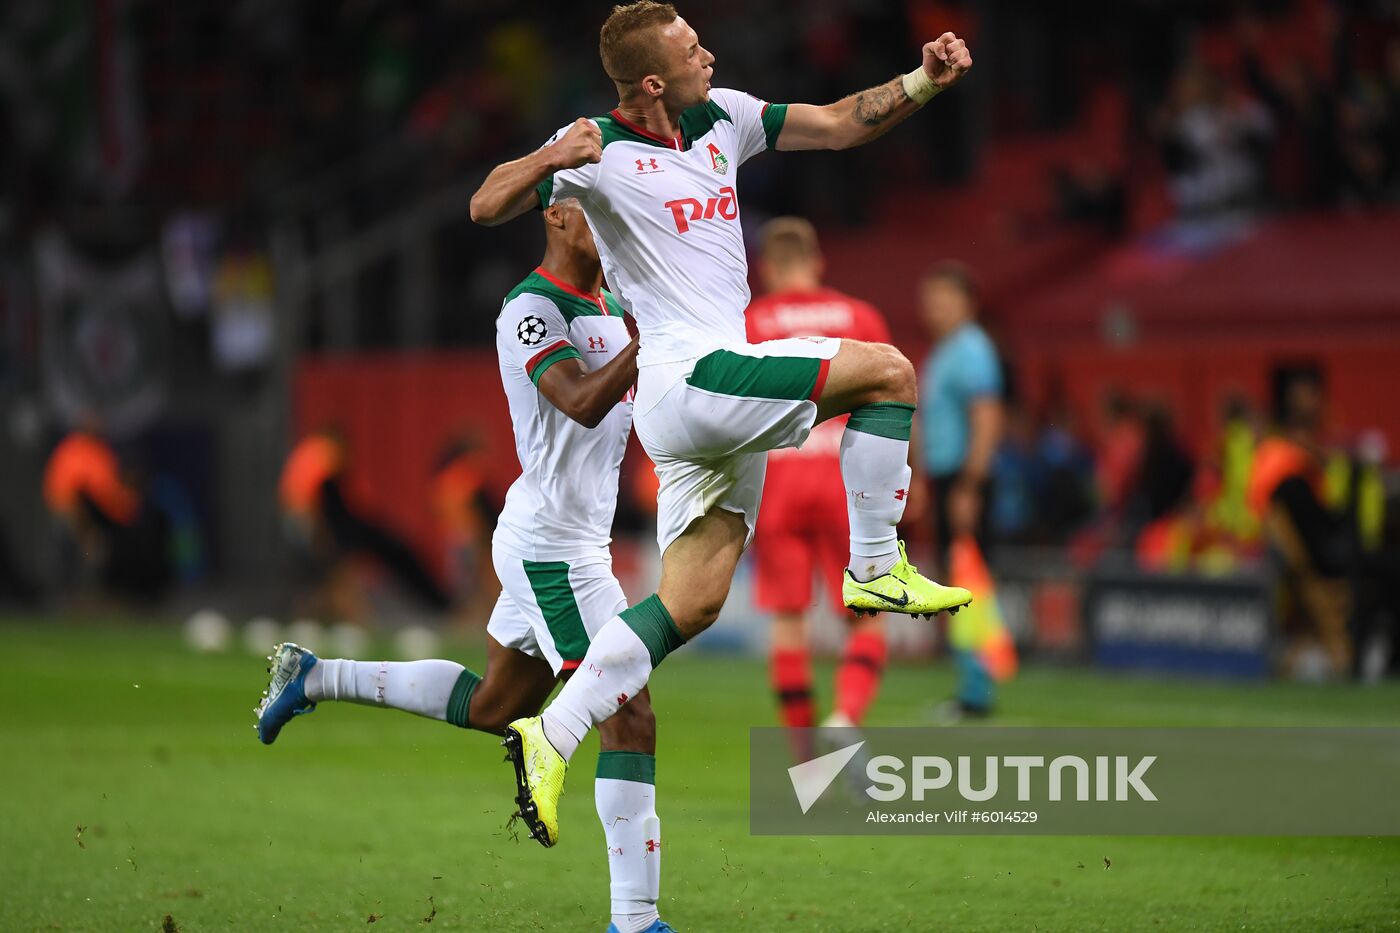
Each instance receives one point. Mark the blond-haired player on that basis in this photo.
(658, 180)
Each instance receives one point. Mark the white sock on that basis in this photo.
(627, 809)
(421, 687)
(616, 667)
(876, 472)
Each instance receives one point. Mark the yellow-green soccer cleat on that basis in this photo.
(903, 589)
(539, 778)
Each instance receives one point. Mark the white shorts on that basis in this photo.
(552, 609)
(709, 423)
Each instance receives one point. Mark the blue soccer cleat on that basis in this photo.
(660, 926)
(285, 695)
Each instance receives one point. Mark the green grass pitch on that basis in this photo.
(134, 787)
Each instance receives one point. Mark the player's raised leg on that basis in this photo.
(875, 383)
(696, 571)
(515, 684)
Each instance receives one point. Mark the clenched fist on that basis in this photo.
(580, 145)
(946, 60)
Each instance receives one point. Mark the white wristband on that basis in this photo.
(919, 87)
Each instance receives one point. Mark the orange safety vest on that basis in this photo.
(83, 465)
(313, 460)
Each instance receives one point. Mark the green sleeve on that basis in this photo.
(536, 368)
(773, 117)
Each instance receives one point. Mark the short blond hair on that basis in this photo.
(785, 241)
(625, 43)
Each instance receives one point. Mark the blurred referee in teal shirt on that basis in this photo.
(960, 407)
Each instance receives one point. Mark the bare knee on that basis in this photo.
(866, 373)
(699, 612)
(698, 567)
(895, 375)
(632, 728)
(695, 602)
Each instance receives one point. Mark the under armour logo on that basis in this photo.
(653, 845)
(621, 699)
(647, 166)
(900, 494)
(596, 343)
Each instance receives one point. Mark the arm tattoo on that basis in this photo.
(874, 106)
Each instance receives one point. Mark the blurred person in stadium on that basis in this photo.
(319, 506)
(962, 420)
(568, 362)
(962, 414)
(1118, 455)
(802, 528)
(1214, 144)
(1163, 479)
(118, 530)
(1356, 489)
(1287, 494)
(467, 518)
(656, 177)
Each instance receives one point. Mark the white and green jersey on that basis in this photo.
(665, 215)
(561, 507)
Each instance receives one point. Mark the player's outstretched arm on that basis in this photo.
(588, 397)
(856, 120)
(509, 190)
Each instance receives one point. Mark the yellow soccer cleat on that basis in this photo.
(539, 778)
(903, 589)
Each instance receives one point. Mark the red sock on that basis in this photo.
(858, 678)
(792, 682)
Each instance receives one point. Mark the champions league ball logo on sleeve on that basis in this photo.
(531, 330)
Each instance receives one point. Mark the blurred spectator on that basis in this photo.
(467, 518)
(1044, 481)
(1164, 470)
(1214, 145)
(332, 529)
(1119, 453)
(1303, 109)
(1012, 513)
(1286, 489)
(1162, 539)
(118, 531)
(1064, 479)
(1239, 434)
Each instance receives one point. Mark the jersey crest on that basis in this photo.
(717, 160)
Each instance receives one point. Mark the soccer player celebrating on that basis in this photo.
(802, 524)
(658, 179)
(568, 364)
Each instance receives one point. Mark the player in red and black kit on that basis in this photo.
(802, 526)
